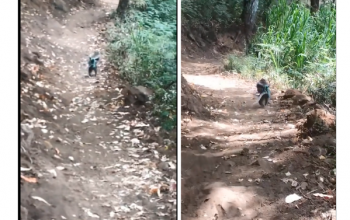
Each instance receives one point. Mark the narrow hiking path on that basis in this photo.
(84, 156)
(243, 161)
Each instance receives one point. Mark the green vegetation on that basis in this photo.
(143, 47)
(210, 12)
(291, 48)
(222, 13)
(300, 46)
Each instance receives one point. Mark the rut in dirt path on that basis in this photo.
(92, 159)
(239, 163)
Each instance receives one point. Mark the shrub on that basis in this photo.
(208, 12)
(296, 49)
(143, 47)
(293, 38)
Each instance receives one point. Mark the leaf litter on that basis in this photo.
(122, 156)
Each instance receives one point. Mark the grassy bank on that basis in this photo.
(294, 49)
(143, 47)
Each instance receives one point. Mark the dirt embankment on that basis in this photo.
(84, 155)
(241, 161)
(210, 42)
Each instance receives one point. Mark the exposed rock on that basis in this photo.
(318, 122)
(137, 95)
(289, 93)
(301, 99)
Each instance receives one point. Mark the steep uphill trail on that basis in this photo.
(82, 155)
(243, 161)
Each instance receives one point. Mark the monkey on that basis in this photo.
(93, 62)
(263, 87)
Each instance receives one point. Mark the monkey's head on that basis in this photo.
(261, 85)
(263, 81)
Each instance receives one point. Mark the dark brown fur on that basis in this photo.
(263, 81)
(259, 87)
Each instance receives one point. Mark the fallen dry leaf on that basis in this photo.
(41, 200)
(29, 179)
(323, 195)
(35, 69)
(153, 191)
(292, 198)
(57, 151)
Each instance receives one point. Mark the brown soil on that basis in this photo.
(83, 154)
(242, 161)
(198, 42)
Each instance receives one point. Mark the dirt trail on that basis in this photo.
(240, 163)
(91, 160)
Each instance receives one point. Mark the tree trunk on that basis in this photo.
(248, 16)
(315, 5)
(122, 8)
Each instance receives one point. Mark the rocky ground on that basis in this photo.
(84, 155)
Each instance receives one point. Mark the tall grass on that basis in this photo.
(294, 39)
(144, 49)
(299, 48)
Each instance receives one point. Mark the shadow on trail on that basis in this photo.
(247, 185)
